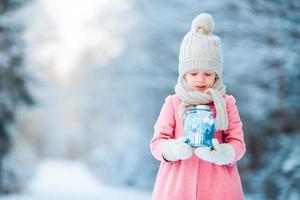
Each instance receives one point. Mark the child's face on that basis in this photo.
(200, 80)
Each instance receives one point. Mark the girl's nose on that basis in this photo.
(200, 78)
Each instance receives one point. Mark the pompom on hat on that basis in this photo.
(200, 49)
(205, 22)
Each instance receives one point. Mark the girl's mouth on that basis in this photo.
(200, 87)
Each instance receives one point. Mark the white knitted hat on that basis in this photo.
(200, 49)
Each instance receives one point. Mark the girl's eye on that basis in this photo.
(194, 74)
(207, 74)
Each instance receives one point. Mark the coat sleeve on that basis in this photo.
(163, 128)
(234, 134)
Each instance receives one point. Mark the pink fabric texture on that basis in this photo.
(196, 179)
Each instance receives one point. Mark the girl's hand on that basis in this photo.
(176, 149)
(221, 154)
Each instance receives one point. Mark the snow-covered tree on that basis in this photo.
(13, 89)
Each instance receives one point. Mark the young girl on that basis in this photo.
(201, 173)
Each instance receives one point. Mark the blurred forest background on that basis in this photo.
(85, 80)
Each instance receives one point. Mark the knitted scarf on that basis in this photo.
(214, 94)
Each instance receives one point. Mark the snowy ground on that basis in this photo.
(71, 180)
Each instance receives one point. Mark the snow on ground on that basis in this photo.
(72, 180)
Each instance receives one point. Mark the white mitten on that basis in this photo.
(222, 154)
(176, 149)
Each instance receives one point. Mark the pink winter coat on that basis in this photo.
(196, 179)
